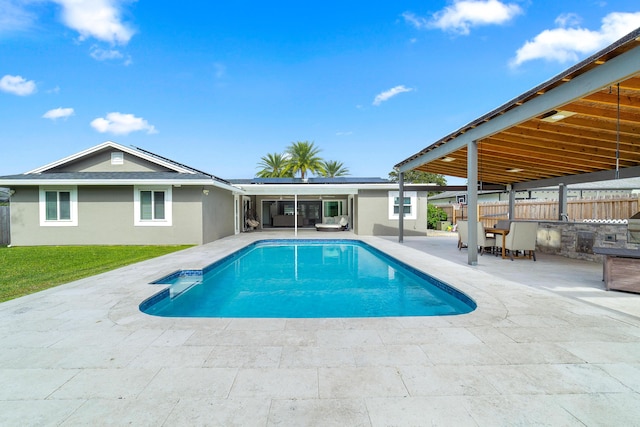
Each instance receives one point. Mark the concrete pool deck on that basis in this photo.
(546, 346)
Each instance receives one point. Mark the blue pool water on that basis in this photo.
(306, 279)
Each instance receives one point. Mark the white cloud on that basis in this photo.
(14, 16)
(100, 19)
(17, 85)
(566, 44)
(416, 21)
(121, 124)
(58, 113)
(464, 14)
(568, 20)
(386, 95)
(100, 54)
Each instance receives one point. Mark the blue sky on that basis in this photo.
(218, 85)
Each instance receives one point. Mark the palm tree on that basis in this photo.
(304, 158)
(333, 168)
(274, 165)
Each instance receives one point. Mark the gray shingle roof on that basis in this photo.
(105, 176)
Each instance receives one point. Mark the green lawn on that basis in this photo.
(25, 270)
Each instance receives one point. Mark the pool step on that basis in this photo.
(183, 283)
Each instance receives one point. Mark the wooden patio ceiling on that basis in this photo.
(592, 128)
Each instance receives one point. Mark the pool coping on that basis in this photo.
(169, 293)
(79, 352)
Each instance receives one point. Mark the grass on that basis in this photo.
(25, 270)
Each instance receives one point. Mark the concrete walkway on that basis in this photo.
(546, 346)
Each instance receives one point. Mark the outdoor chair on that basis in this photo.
(522, 237)
(463, 234)
(502, 224)
(484, 243)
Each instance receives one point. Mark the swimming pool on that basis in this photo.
(306, 279)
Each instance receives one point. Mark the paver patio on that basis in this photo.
(546, 346)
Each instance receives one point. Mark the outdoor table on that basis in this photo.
(620, 268)
(504, 235)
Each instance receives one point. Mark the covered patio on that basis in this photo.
(583, 125)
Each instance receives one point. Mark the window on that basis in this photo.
(152, 206)
(410, 203)
(333, 208)
(58, 206)
(406, 205)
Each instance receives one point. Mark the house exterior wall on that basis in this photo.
(373, 215)
(106, 217)
(101, 162)
(217, 213)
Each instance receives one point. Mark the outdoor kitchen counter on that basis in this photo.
(621, 269)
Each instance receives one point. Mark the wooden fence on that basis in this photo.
(4, 225)
(620, 207)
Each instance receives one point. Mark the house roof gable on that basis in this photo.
(134, 151)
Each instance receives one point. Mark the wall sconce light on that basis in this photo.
(205, 192)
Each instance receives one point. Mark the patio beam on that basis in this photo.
(632, 172)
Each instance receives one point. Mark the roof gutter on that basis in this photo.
(122, 182)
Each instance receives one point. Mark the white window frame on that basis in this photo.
(73, 206)
(413, 204)
(340, 204)
(168, 216)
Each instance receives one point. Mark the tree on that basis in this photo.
(304, 158)
(419, 177)
(274, 165)
(435, 214)
(333, 168)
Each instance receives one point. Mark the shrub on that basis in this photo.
(435, 214)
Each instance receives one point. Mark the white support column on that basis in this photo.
(401, 207)
(512, 204)
(295, 214)
(472, 202)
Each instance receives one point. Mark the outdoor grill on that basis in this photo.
(633, 227)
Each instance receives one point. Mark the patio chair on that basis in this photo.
(503, 224)
(522, 237)
(463, 233)
(484, 243)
